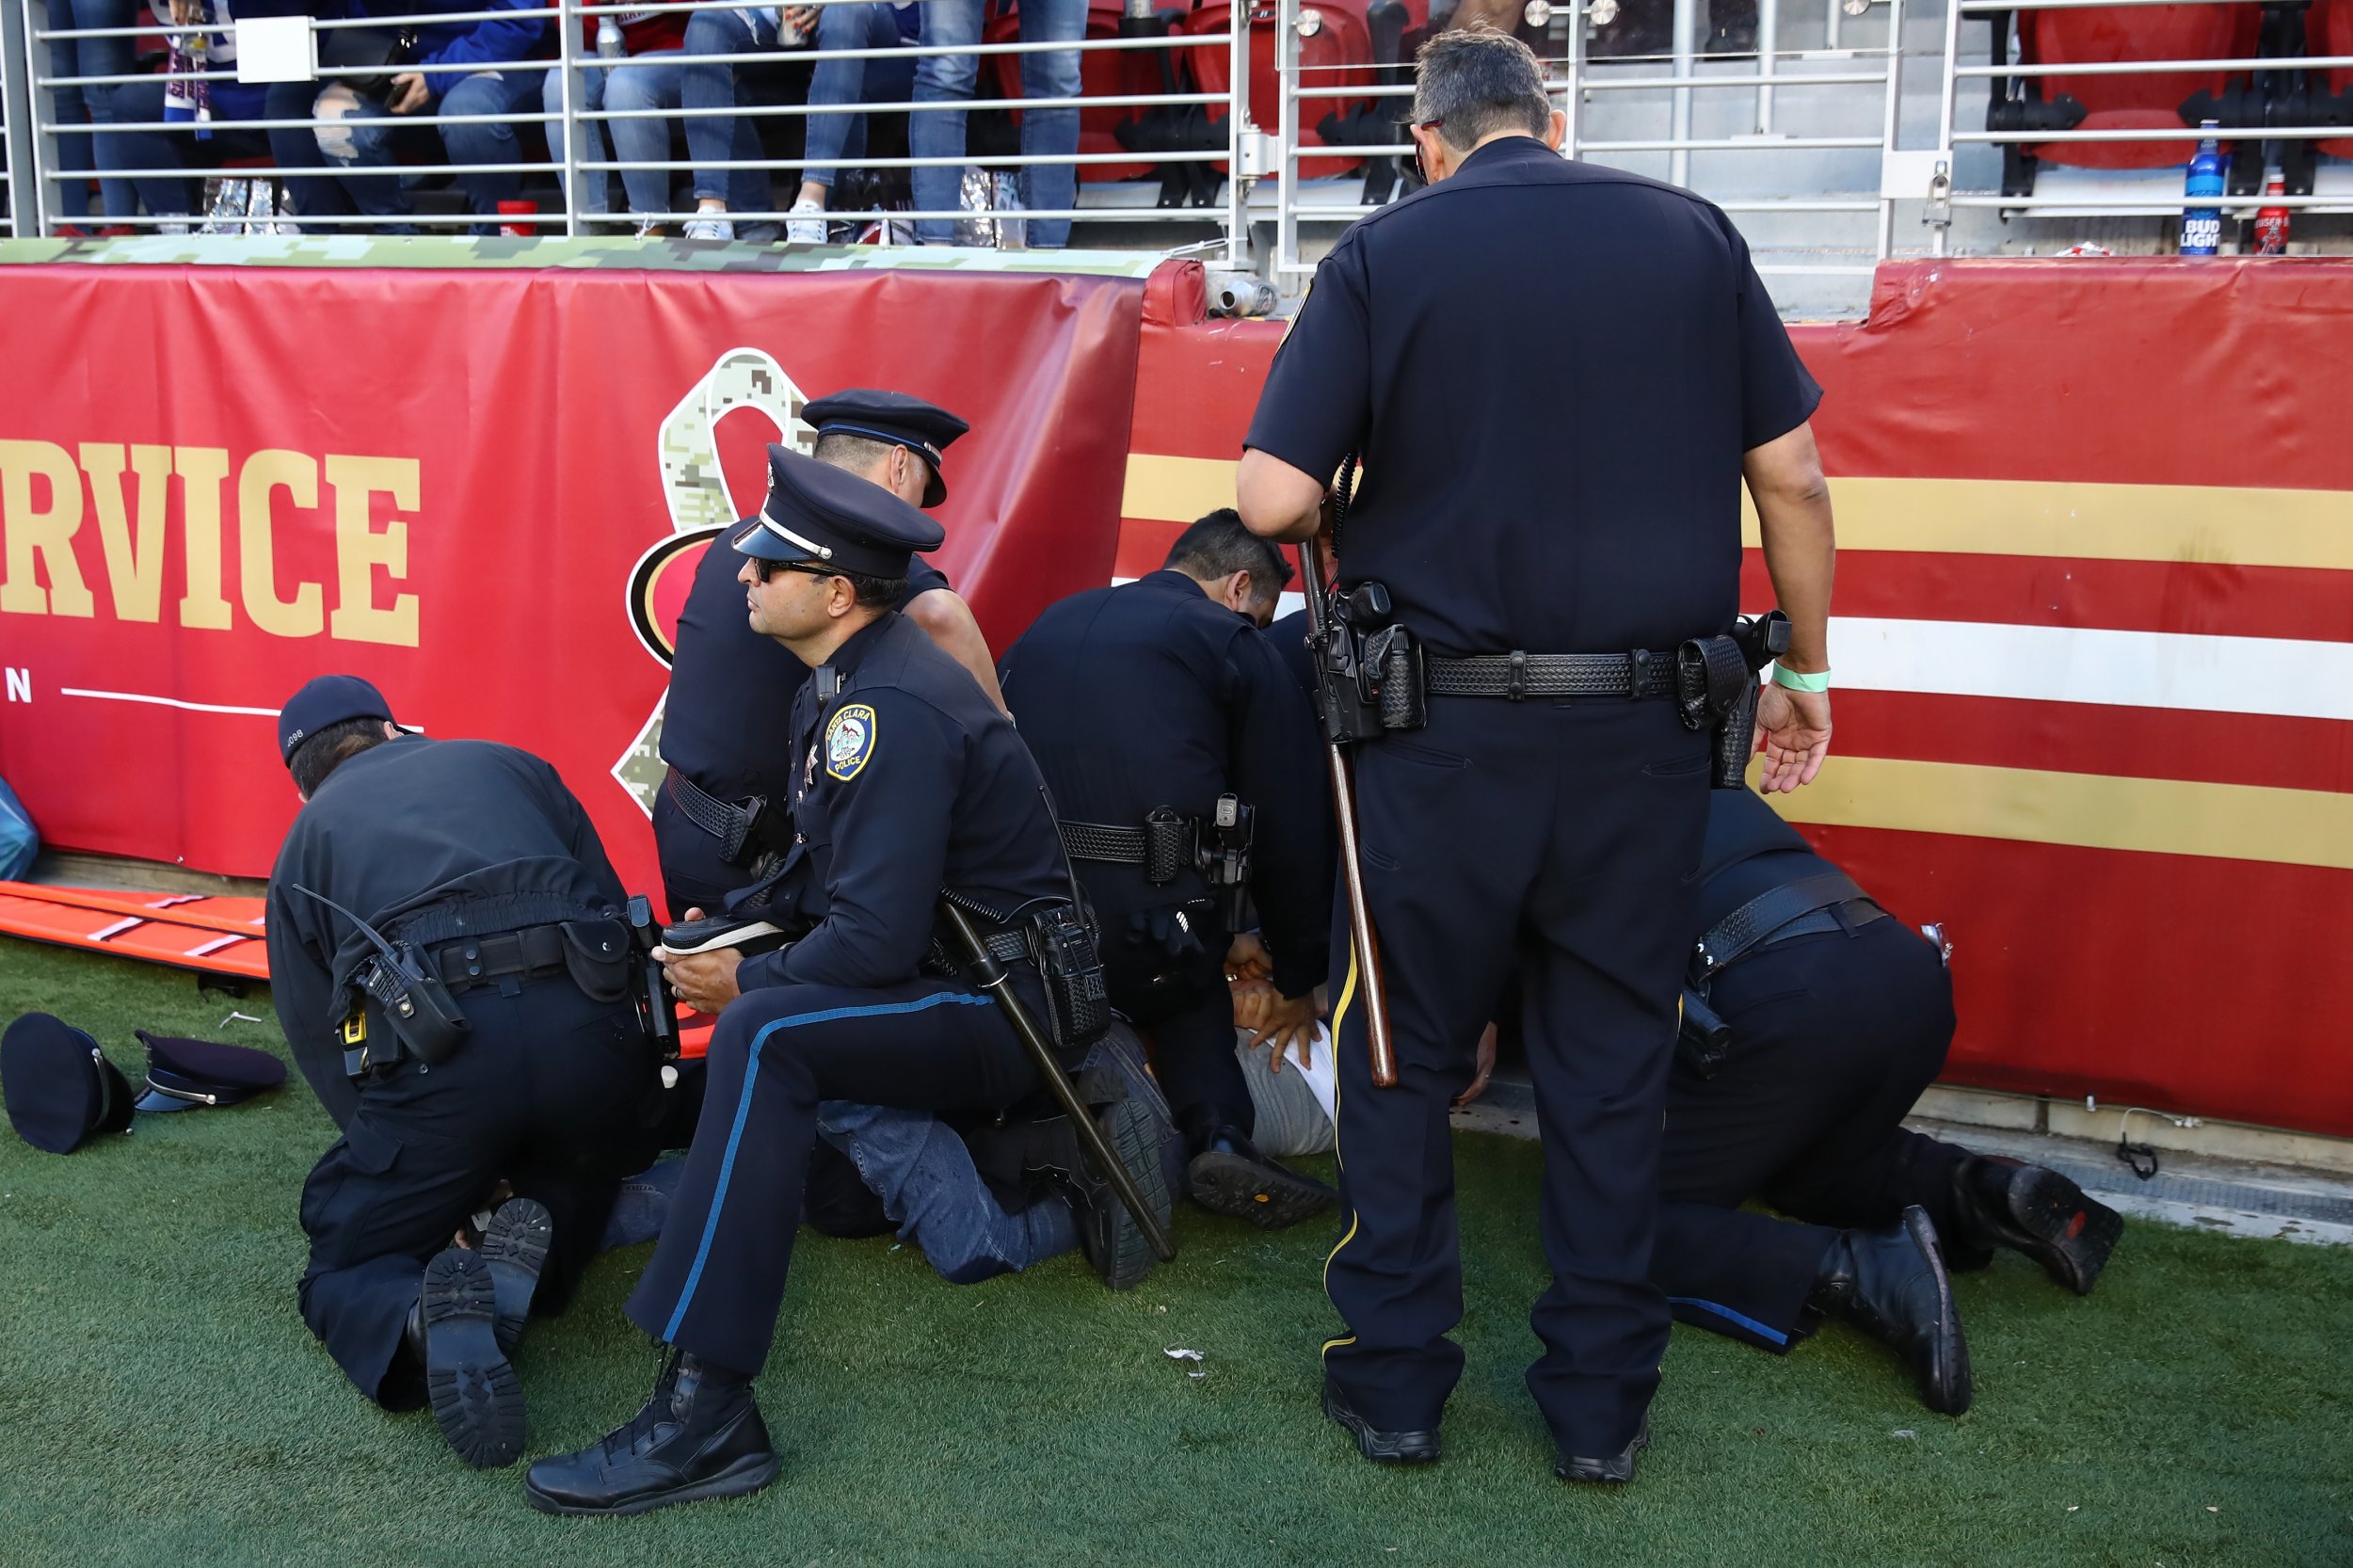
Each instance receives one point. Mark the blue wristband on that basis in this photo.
(1796, 682)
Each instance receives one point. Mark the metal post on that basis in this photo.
(17, 148)
(1286, 99)
(1837, 18)
(1238, 131)
(1685, 46)
(1572, 105)
(1767, 45)
(1939, 236)
(1888, 125)
(565, 14)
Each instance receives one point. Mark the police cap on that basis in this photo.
(325, 700)
(923, 428)
(829, 517)
(184, 1074)
(59, 1088)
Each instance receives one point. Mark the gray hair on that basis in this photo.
(1475, 82)
(857, 454)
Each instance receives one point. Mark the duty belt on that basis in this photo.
(722, 820)
(1828, 901)
(472, 961)
(1516, 675)
(1094, 840)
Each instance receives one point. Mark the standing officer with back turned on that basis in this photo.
(1557, 376)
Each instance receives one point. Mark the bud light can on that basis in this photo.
(2201, 218)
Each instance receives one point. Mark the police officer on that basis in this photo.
(1557, 376)
(495, 1043)
(709, 825)
(1833, 1018)
(909, 786)
(1145, 704)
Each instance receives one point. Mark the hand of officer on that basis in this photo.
(1794, 730)
(409, 93)
(1287, 1021)
(1247, 959)
(704, 980)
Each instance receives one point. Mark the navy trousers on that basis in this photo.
(1834, 1036)
(548, 1094)
(1183, 1001)
(716, 1281)
(1564, 838)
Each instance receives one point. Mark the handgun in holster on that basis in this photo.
(1223, 856)
(1704, 1040)
(1369, 670)
(1716, 688)
(657, 1006)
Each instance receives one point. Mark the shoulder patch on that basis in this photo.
(849, 740)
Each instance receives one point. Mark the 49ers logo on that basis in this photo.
(658, 587)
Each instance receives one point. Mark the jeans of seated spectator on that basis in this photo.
(649, 82)
(641, 1206)
(924, 1176)
(1044, 132)
(838, 81)
(715, 135)
(143, 101)
(98, 56)
(363, 138)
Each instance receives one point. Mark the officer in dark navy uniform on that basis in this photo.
(909, 786)
(501, 1046)
(708, 824)
(1833, 1018)
(1557, 376)
(1145, 704)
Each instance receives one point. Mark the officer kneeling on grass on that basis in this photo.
(448, 960)
(913, 789)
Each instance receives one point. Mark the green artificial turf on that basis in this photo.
(161, 1403)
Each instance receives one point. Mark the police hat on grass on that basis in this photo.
(923, 428)
(824, 516)
(183, 1075)
(325, 700)
(60, 1087)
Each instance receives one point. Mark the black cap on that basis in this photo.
(923, 428)
(60, 1087)
(328, 699)
(185, 1074)
(830, 517)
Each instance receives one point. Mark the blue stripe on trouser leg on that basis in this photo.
(1773, 1336)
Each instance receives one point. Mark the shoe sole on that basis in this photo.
(1368, 1440)
(734, 937)
(1123, 1256)
(745, 1475)
(1923, 1233)
(1228, 1184)
(477, 1400)
(2073, 1233)
(515, 1245)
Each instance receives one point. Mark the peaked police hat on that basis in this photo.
(829, 517)
(184, 1075)
(59, 1088)
(923, 428)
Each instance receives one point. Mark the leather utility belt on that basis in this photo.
(1518, 676)
(1828, 901)
(1055, 939)
(414, 1011)
(1217, 847)
(1370, 676)
(742, 829)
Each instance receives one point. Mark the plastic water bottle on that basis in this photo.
(2271, 223)
(609, 43)
(2201, 219)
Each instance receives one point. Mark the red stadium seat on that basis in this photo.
(1337, 54)
(2328, 30)
(2150, 102)
(1107, 73)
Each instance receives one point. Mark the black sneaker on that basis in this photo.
(1616, 1470)
(700, 1436)
(476, 1400)
(748, 934)
(515, 1245)
(1228, 1175)
(1108, 1233)
(1382, 1447)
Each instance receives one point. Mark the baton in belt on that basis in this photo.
(1323, 626)
(999, 985)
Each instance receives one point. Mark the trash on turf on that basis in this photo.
(1177, 1354)
(1903, 1431)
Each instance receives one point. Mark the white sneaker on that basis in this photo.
(648, 228)
(806, 231)
(718, 227)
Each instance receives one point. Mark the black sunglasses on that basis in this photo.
(765, 568)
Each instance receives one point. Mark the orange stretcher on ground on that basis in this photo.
(187, 931)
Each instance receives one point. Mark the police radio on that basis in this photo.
(424, 1017)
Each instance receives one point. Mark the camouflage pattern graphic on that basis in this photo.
(441, 252)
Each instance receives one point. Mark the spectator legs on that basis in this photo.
(713, 135)
(645, 86)
(1050, 132)
(104, 56)
(589, 82)
(838, 81)
(67, 107)
(940, 133)
(310, 194)
(505, 91)
(136, 102)
(357, 134)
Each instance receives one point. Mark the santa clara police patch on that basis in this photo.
(849, 740)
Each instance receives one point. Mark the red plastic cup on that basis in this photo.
(519, 209)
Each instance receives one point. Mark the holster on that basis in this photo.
(415, 1006)
(1716, 688)
(1705, 1039)
(1369, 673)
(1078, 998)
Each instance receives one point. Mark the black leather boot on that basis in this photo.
(1382, 1447)
(1615, 1470)
(699, 1436)
(1891, 1285)
(1108, 1233)
(515, 1245)
(1228, 1175)
(2027, 1209)
(477, 1401)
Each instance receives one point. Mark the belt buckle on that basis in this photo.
(1637, 671)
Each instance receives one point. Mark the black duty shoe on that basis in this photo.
(699, 1436)
(515, 1245)
(1382, 1447)
(1108, 1233)
(1616, 1470)
(1891, 1285)
(476, 1400)
(2007, 1203)
(747, 933)
(1228, 1175)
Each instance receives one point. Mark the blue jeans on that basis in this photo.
(924, 1176)
(641, 1206)
(948, 78)
(92, 57)
(599, 87)
(143, 101)
(364, 139)
(843, 135)
(716, 136)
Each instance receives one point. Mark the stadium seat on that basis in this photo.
(1339, 54)
(2121, 102)
(1107, 73)
(2329, 29)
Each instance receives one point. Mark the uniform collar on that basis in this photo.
(847, 658)
(1504, 154)
(1169, 580)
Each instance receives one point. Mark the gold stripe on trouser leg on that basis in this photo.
(1339, 1020)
